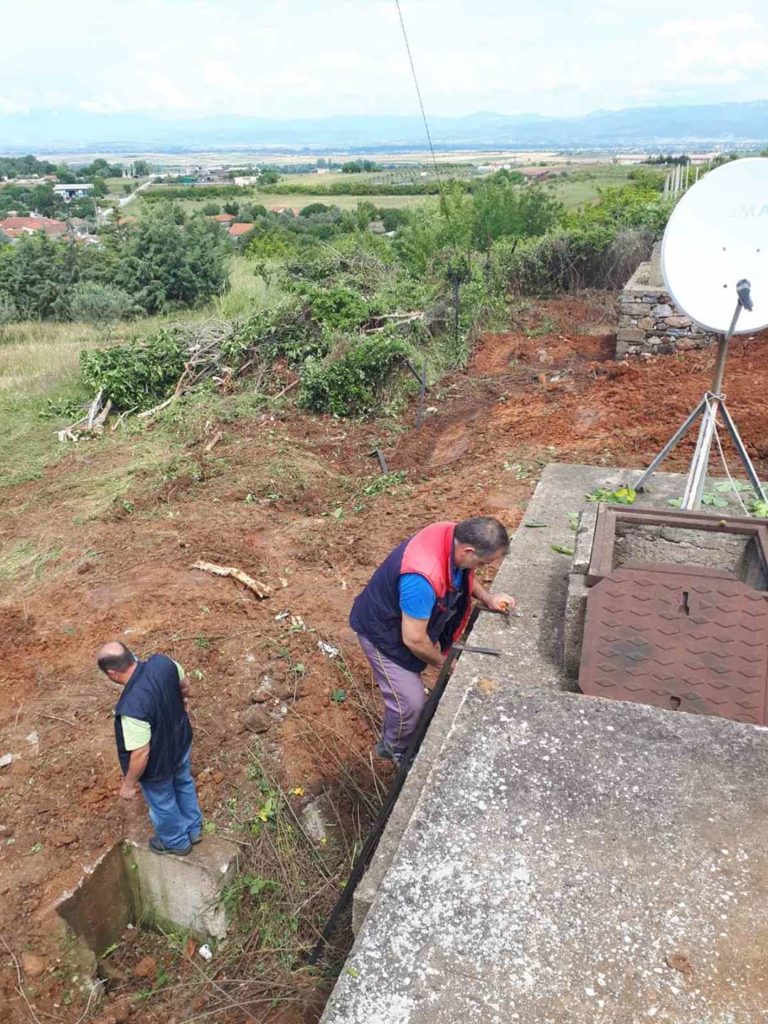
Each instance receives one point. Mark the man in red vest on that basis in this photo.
(415, 606)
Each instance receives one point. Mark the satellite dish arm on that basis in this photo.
(745, 299)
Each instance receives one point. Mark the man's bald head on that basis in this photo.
(115, 657)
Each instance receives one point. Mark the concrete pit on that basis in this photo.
(131, 885)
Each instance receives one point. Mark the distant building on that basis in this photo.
(238, 230)
(36, 179)
(15, 227)
(77, 190)
(248, 179)
(223, 218)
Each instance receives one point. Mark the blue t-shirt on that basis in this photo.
(417, 595)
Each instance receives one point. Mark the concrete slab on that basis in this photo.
(571, 861)
(101, 906)
(538, 576)
(184, 891)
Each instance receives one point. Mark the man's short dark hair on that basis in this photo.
(117, 662)
(484, 533)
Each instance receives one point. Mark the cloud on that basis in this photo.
(296, 58)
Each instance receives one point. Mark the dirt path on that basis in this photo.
(528, 398)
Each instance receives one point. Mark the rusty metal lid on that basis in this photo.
(689, 641)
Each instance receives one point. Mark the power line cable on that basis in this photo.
(444, 202)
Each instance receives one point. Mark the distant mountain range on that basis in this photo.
(672, 127)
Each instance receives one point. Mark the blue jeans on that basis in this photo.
(173, 806)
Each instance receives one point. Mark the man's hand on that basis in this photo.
(504, 603)
(128, 790)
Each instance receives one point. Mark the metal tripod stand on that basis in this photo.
(708, 408)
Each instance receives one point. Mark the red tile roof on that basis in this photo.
(224, 218)
(240, 229)
(14, 227)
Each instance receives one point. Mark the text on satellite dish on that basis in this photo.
(749, 211)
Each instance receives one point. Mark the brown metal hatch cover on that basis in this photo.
(695, 640)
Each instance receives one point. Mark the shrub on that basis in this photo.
(351, 385)
(138, 375)
(285, 332)
(8, 311)
(598, 256)
(338, 308)
(100, 303)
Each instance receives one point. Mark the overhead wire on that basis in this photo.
(443, 201)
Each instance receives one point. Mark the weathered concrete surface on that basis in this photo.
(573, 861)
(538, 576)
(185, 891)
(101, 906)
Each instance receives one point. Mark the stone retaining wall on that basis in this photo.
(649, 324)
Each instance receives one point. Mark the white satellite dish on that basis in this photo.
(718, 235)
(714, 256)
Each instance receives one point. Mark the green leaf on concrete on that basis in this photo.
(708, 498)
(621, 496)
(561, 549)
(732, 485)
(536, 526)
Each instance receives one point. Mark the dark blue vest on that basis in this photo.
(376, 613)
(153, 694)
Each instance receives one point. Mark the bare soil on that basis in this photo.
(547, 392)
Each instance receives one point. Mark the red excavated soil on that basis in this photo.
(546, 391)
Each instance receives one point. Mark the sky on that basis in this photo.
(303, 58)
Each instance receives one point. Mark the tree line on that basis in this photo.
(157, 266)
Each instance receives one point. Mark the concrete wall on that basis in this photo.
(649, 323)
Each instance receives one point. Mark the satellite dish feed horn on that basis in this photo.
(715, 249)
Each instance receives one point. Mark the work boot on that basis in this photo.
(156, 846)
(387, 751)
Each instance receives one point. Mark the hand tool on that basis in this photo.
(471, 649)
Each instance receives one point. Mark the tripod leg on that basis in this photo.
(672, 443)
(697, 476)
(746, 462)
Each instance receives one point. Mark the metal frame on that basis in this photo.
(712, 402)
(604, 539)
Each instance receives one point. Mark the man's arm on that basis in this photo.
(496, 602)
(414, 632)
(136, 768)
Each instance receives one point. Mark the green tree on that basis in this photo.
(432, 229)
(34, 275)
(44, 201)
(142, 168)
(232, 208)
(503, 209)
(166, 265)
(211, 209)
(314, 208)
